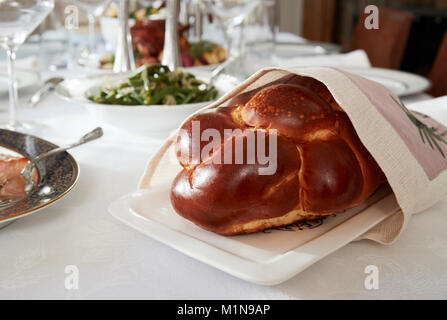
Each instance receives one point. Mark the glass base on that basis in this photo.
(28, 127)
(86, 58)
(90, 61)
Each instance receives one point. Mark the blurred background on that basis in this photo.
(334, 21)
(412, 35)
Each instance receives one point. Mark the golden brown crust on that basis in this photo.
(258, 225)
(322, 167)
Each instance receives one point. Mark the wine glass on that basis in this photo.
(150, 3)
(18, 19)
(260, 37)
(230, 14)
(94, 9)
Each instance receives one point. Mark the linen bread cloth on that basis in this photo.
(408, 146)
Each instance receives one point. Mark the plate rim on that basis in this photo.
(73, 182)
(274, 271)
(409, 91)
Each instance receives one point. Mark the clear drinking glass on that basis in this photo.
(149, 3)
(18, 19)
(94, 9)
(230, 14)
(260, 37)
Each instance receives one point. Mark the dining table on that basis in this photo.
(113, 261)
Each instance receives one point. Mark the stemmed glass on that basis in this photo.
(230, 14)
(260, 37)
(18, 19)
(94, 9)
(148, 3)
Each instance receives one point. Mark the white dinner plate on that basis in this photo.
(265, 258)
(24, 79)
(400, 82)
(309, 48)
(292, 50)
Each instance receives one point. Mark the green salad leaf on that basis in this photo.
(197, 49)
(141, 13)
(156, 84)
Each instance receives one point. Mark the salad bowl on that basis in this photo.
(148, 120)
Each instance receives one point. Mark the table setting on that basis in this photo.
(92, 174)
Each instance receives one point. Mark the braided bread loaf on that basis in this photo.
(322, 167)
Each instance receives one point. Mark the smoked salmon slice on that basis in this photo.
(12, 186)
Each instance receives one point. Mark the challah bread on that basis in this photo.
(321, 166)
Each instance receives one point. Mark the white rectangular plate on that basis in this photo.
(265, 258)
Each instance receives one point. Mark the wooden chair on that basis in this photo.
(385, 46)
(438, 74)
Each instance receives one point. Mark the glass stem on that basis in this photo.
(228, 40)
(11, 56)
(241, 44)
(91, 31)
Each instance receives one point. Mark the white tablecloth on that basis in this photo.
(115, 261)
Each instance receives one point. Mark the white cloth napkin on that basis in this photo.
(357, 58)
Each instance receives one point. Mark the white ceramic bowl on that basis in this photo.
(155, 120)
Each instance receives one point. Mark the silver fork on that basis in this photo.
(48, 86)
(25, 173)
